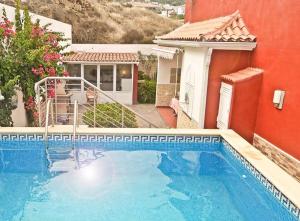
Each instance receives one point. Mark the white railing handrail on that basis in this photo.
(49, 104)
(75, 119)
(37, 84)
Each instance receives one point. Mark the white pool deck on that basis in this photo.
(282, 180)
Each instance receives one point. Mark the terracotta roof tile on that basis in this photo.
(229, 28)
(101, 57)
(242, 75)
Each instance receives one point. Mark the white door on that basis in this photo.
(224, 106)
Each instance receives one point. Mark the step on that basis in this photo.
(62, 166)
(59, 150)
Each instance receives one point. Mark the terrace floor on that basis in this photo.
(168, 116)
(150, 112)
(163, 117)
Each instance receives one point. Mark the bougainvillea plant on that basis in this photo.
(28, 53)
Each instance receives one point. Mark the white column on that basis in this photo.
(98, 76)
(204, 83)
(82, 75)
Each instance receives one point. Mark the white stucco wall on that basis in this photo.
(19, 114)
(55, 26)
(193, 73)
(164, 69)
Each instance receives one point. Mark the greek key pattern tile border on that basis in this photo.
(114, 138)
(289, 205)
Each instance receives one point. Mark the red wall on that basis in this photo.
(244, 106)
(276, 25)
(135, 84)
(222, 62)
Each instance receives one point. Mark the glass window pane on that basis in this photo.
(173, 75)
(107, 77)
(90, 74)
(124, 77)
(74, 71)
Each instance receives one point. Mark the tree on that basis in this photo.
(148, 64)
(28, 53)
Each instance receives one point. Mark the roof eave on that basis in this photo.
(101, 62)
(243, 46)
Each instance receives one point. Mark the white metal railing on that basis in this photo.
(48, 108)
(115, 114)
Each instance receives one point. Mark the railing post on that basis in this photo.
(46, 91)
(94, 108)
(55, 100)
(122, 116)
(75, 119)
(39, 106)
(52, 115)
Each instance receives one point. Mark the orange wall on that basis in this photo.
(222, 62)
(276, 25)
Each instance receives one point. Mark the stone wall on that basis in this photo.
(164, 94)
(282, 159)
(184, 121)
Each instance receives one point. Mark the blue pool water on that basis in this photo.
(120, 181)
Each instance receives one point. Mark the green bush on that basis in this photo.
(147, 92)
(109, 115)
(143, 76)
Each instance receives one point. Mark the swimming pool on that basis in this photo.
(108, 177)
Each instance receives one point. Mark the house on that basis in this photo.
(116, 73)
(239, 70)
(189, 54)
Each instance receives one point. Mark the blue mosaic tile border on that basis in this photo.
(21, 137)
(289, 205)
(150, 138)
(114, 138)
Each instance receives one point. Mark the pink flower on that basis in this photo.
(51, 71)
(37, 32)
(52, 40)
(66, 74)
(51, 57)
(6, 28)
(51, 93)
(38, 71)
(30, 103)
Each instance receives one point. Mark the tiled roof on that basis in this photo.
(229, 28)
(101, 57)
(242, 75)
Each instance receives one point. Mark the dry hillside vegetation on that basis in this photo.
(102, 21)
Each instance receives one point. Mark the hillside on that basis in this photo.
(102, 21)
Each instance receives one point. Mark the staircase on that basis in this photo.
(61, 159)
(96, 108)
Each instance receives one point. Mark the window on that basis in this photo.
(124, 77)
(90, 74)
(107, 77)
(173, 75)
(74, 71)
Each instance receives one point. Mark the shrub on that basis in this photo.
(109, 115)
(147, 92)
(28, 53)
(143, 76)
